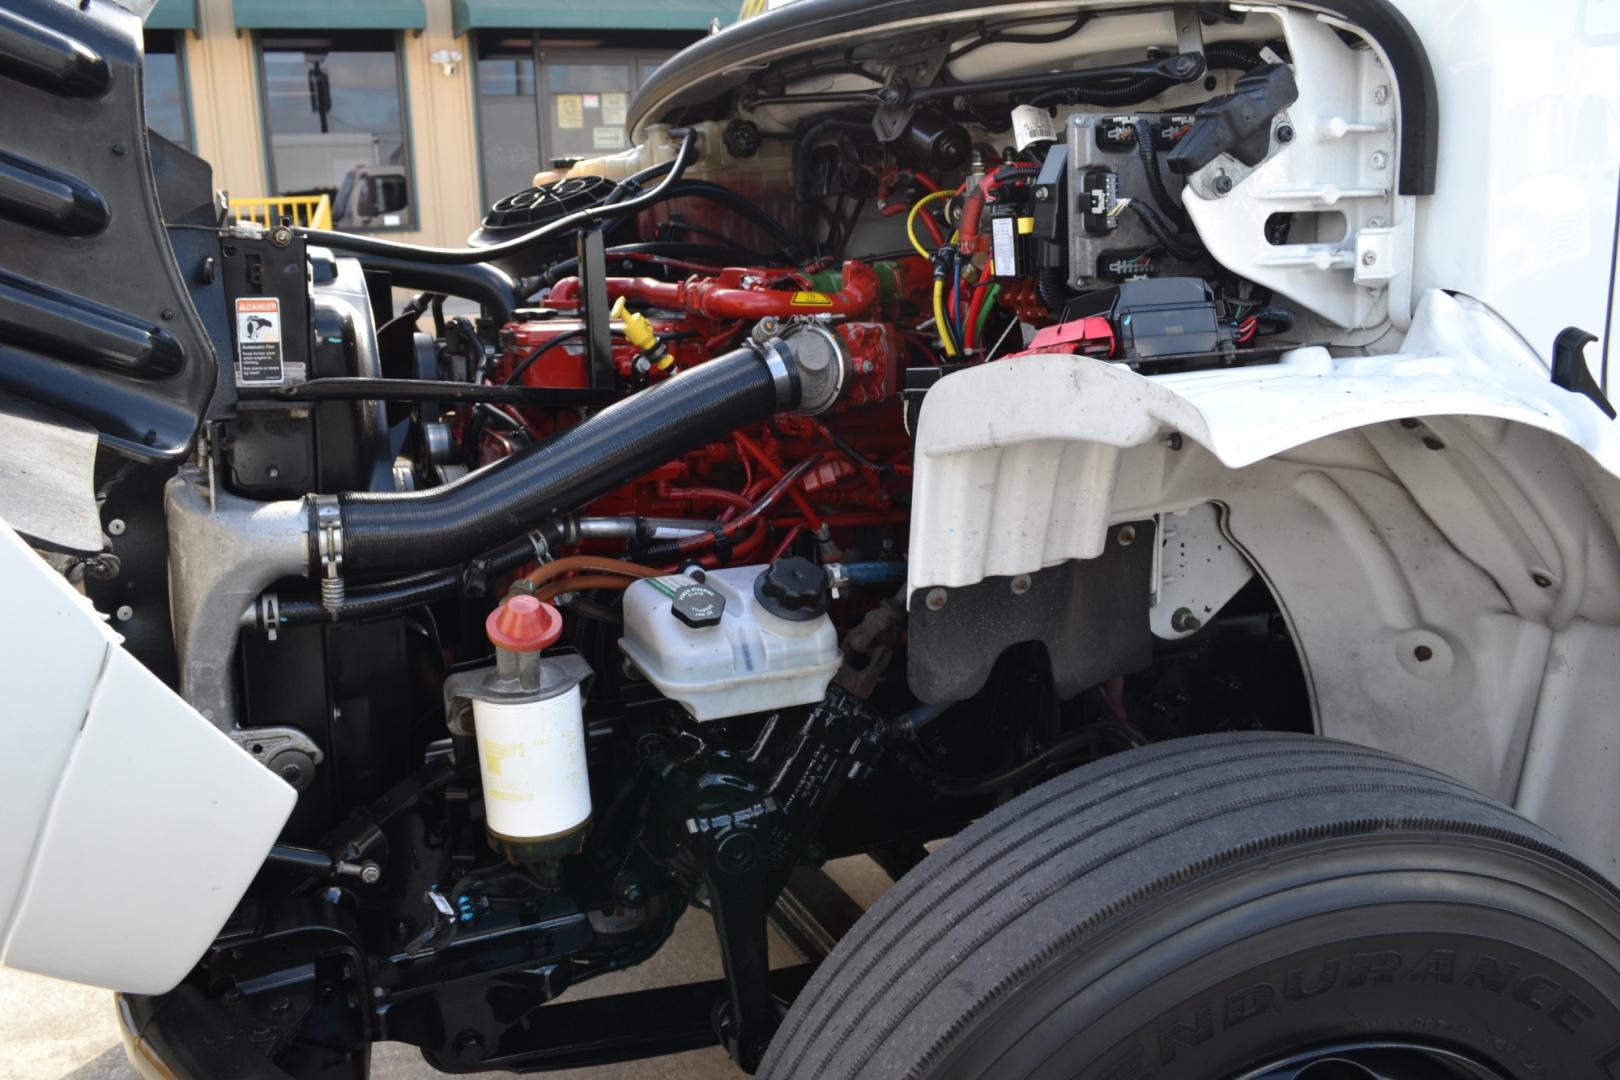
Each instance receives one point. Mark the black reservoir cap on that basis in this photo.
(793, 588)
(692, 602)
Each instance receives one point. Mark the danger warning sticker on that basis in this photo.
(258, 342)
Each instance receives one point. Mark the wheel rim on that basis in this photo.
(1377, 1060)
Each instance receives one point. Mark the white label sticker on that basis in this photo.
(1031, 125)
(1003, 246)
(570, 111)
(258, 342)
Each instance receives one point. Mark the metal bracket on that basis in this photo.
(287, 752)
(1189, 28)
(890, 120)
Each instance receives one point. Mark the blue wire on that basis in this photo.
(956, 304)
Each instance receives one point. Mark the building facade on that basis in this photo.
(412, 115)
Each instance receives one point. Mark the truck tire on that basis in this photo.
(1229, 907)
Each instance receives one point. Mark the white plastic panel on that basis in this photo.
(1575, 747)
(1337, 169)
(51, 651)
(1433, 523)
(157, 822)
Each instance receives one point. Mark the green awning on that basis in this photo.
(330, 15)
(173, 15)
(590, 14)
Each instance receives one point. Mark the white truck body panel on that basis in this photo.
(132, 825)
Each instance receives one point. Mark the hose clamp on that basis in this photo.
(780, 363)
(329, 549)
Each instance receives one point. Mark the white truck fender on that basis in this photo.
(1437, 524)
(133, 826)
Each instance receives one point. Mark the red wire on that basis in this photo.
(979, 292)
(775, 471)
(787, 542)
(756, 512)
(713, 495)
(935, 233)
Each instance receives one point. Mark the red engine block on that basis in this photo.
(859, 476)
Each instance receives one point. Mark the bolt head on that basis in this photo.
(370, 873)
(1223, 184)
(124, 613)
(935, 599)
(1127, 536)
(1368, 258)
(1021, 584)
(1043, 194)
(1379, 159)
(116, 527)
(1380, 94)
(469, 1048)
(1285, 133)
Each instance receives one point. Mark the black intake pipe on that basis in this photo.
(804, 370)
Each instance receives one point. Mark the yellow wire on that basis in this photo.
(939, 318)
(911, 218)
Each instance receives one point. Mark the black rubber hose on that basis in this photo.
(1052, 289)
(724, 196)
(1148, 154)
(675, 249)
(516, 374)
(345, 388)
(1229, 55)
(489, 286)
(400, 531)
(591, 215)
(1124, 93)
(372, 600)
(1169, 240)
(387, 597)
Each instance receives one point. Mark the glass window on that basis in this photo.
(165, 86)
(333, 110)
(585, 107)
(508, 125)
(545, 101)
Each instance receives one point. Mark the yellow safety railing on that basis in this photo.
(311, 211)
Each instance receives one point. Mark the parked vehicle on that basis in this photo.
(1160, 448)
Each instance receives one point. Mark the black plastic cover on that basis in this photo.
(1238, 123)
(95, 319)
(1158, 317)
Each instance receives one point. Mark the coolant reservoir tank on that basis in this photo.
(729, 642)
(527, 718)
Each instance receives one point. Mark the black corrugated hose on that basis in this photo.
(404, 531)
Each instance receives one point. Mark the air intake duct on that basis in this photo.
(804, 369)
